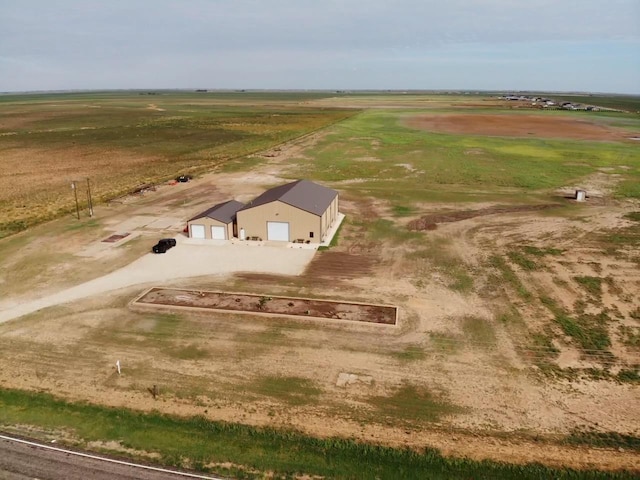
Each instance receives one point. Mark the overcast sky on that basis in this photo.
(567, 45)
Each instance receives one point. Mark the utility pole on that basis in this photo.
(75, 194)
(89, 201)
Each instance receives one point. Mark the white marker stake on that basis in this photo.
(118, 366)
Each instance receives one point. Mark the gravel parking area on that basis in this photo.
(183, 261)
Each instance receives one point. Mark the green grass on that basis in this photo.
(382, 229)
(597, 439)
(634, 216)
(541, 252)
(402, 210)
(589, 331)
(629, 375)
(522, 257)
(478, 331)
(336, 238)
(413, 403)
(508, 277)
(188, 352)
(286, 454)
(522, 260)
(619, 239)
(290, 390)
(630, 336)
(435, 253)
(166, 325)
(593, 285)
(410, 353)
(82, 224)
(542, 343)
(444, 343)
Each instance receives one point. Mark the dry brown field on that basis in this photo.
(122, 142)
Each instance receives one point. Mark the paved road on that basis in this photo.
(21, 461)
(184, 261)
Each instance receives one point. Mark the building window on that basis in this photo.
(310, 234)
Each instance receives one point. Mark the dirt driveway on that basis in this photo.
(185, 260)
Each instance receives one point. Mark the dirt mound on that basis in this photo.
(517, 126)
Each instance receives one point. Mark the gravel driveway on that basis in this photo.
(185, 260)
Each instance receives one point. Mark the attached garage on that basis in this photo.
(278, 231)
(218, 232)
(196, 231)
(300, 211)
(216, 223)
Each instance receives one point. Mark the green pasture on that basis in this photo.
(404, 165)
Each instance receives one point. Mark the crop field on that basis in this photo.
(123, 141)
(516, 353)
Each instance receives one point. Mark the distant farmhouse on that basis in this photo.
(300, 211)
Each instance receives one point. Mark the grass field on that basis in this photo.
(121, 141)
(406, 166)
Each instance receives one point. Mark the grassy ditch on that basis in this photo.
(204, 445)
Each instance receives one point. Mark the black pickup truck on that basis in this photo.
(163, 245)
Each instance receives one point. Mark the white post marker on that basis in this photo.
(118, 366)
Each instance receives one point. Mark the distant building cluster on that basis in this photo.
(542, 102)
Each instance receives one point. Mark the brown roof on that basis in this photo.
(223, 212)
(302, 194)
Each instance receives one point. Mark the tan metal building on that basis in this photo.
(300, 211)
(216, 223)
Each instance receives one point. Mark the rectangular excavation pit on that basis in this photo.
(270, 305)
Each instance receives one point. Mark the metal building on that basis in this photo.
(300, 211)
(216, 223)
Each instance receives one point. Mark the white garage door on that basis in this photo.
(278, 231)
(217, 233)
(197, 231)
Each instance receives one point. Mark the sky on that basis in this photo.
(542, 45)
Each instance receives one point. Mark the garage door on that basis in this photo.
(278, 231)
(197, 231)
(217, 233)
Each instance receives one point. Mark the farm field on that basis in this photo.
(122, 141)
(519, 314)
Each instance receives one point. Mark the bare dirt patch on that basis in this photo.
(429, 222)
(262, 304)
(517, 126)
